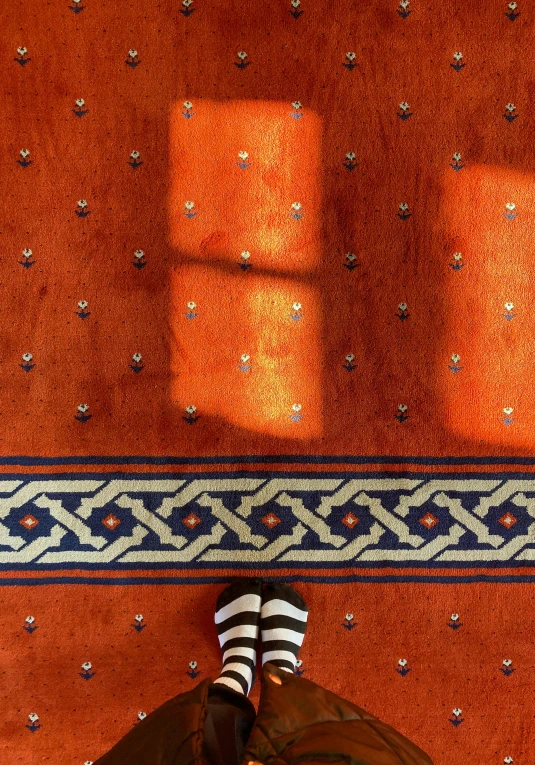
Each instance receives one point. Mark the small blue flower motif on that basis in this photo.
(401, 417)
(82, 211)
(82, 313)
(82, 416)
(296, 416)
(350, 61)
(87, 674)
(243, 157)
(508, 411)
(404, 669)
(294, 10)
(403, 9)
(190, 313)
(511, 8)
(509, 308)
(139, 261)
(22, 60)
(30, 625)
(457, 715)
(296, 207)
(403, 315)
(192, 670)
(456, 264)
(404, 112)
(27, 255)
(509, 109)
(242, 63)
(79, 107)
(297, 107)
(27, 362)
(299, 668)
(132, 59)
(139, 625)
(404, 211)
(24, 161)
(188, 113)
(510, 213)
(191, 416)
(34, 722)
(187, 10)
(349, 362)
(245, 257)
(507, 669)
(454, 622)
(297, 313)
(134, 156)
(136, 365)
(244, 365)
(188, 206)
(351, 258)
(76, 8)
(458, 63)
(455, 358)
(457, 162)
(350, 161)
(348, 623)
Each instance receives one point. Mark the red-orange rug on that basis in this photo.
(265, 299)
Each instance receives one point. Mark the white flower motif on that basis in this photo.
(242, 54)
(508, 760)
(350, 357)
(350, 156)
(244, 358)
(455, 358)
(510, 206)
(457, 256)
(402, 662)
(351, 256)
(456, 157)
(80, 102)
(87, 666)
(296, 306)
(299, 663)
(454, 617)
(137, 357)
(33, 717)
(510, 107)
(508, 306)
(138, 617)
(296, 407)
(189, 205)
(191, 409)
(27, 357)
(187, 3)
(141, 715)
(508, 410)
(348, 617)
(192, 306)
(27, 253)
(134, 154)
(404, 106)
(245, 255)
(507, 662)
(243, 155)
(188, 105)
(132, 53)
(296, 3)
(82, 203)
(404, 4)
(22, 51)
(296, 105)
(88, 762)
(351, 56)
(30, 619)
(457, 56)
(296, 205)
(24, 153)
(139, 253)
(402, 306)
(457, 712)
(83, 408)
(402, 407)
(82, 304)
(403, 206)
(512, 6)
(193, 665)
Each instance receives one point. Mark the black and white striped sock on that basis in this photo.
(283, 621)
(238, 620)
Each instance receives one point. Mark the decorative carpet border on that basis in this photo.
(368, 526)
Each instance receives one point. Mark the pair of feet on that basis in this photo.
(247, 609)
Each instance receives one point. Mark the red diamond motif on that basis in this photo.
(350, 521)
(29, 522)
(271, 520)
(429, 520)
(111, 522)
(507, 520)
(191, 521)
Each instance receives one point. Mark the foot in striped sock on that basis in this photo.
(283, 621)
(237, 619)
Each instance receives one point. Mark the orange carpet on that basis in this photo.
(265, 298)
